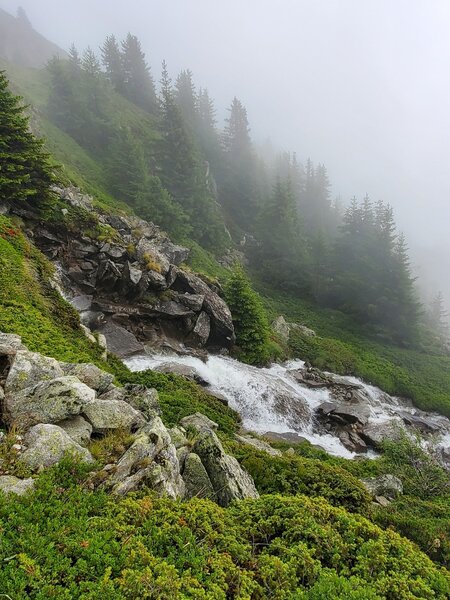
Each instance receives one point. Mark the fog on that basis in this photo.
(360, 85)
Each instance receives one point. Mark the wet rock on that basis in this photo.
(198, 422)
(78, 429)
(196, 479)
(352, 441)
(423, 424)
(120, 341)
(13, 485)
(388, 486)
(286, 436)
(230, 481)
(181, 370)
(217, 395)
(28, 369)
(106, 415)
(47, 402)
(295, 410)
(351, 413)
(258, 444)
(376, 433)
(48, 444)
(89, 374)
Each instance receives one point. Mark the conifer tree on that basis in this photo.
(249, 319)
(25, 170)
(439, 317)
(139, 85)
(74, 59)
(186, 98)
(113, 63)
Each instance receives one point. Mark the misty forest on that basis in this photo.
(219, 378)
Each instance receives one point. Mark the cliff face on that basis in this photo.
(127, 279)
(22, 45)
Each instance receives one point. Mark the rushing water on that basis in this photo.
(255, 394)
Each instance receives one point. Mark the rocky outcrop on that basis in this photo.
(258, 444)
(283, 329)
(78, 429)
(230, 481)
(133, 282)
(198, 423)
(47, 402)
(48, 444)
(108, 415)
(386, 486)
(196, 479)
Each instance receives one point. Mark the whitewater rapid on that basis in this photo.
(254, 393)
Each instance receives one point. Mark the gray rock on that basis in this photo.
(120, 341)
(48, 444)
(175, 254)
(13, 485)
(148, 253)
(229, 480)
(303, 330)
(376, 433)
(352, 441)
(352, 413)
(152, 461)
(281, 328)
(10, 344)
(193, 301)
(82, 303)
(181, 370)
(200, 334)
(89, 374)
(258, 444)
(132, 275)
(196, 479)
(47, 402)
(388, 486)
(28, 369)
(78, 429)
(198, 422)
(141, 398)
(105, 415)
(178, 437)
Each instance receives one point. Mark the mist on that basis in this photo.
(359, 85)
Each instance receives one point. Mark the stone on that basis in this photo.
(193, 301)
(388, 486)
(10, 344)
(352, 413)
(352, 441)
(295, 410)
(303, 330)
(141, 398)
(82, 303)
(120, 341)
(13, 485)
(88, 333)
(382, 501)
(48, 444)
(181, 370)
(152, 461)
(105, 415)
(89, 374)
(148, 253)
(132, 275)
(200, 334)
(258, 444)
(78, 429)
(375, 434)
(30, 368)
(281, 328)
(196, 479)
(47, 402)
(174, 253)
(230, 481)
(178, 437)
(198, 422)
(421, 423)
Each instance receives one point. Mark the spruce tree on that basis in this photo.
(186, 98)
(113, 63)
(139, 86)
(25, 170)
(90, 63)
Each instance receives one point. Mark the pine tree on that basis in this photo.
(186, 98)
(139, 85)
(26, 173)
(90, 63)
(113, 63)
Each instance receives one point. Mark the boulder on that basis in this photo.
(78, 429)
(47, 402)
(120, 341)
(375, 434)
(422, 423)
(258, 444)
(13, 485)
(193, 301)
(82, 303)
(89, 374)
(143, 399)
(352, 413)
(200, 334)
(131, 277)
(303, 330)
(196, 479)
(181, 370)
(281, 328)
(174, 253)
(295, 410)
(178, 437)
(48, 444)
(229, 480)
(148, 253)
(10, 344)
(352, 441)
(105, 415)
(388, 486)
(152, 461)
(198, 422)
(28, 369)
